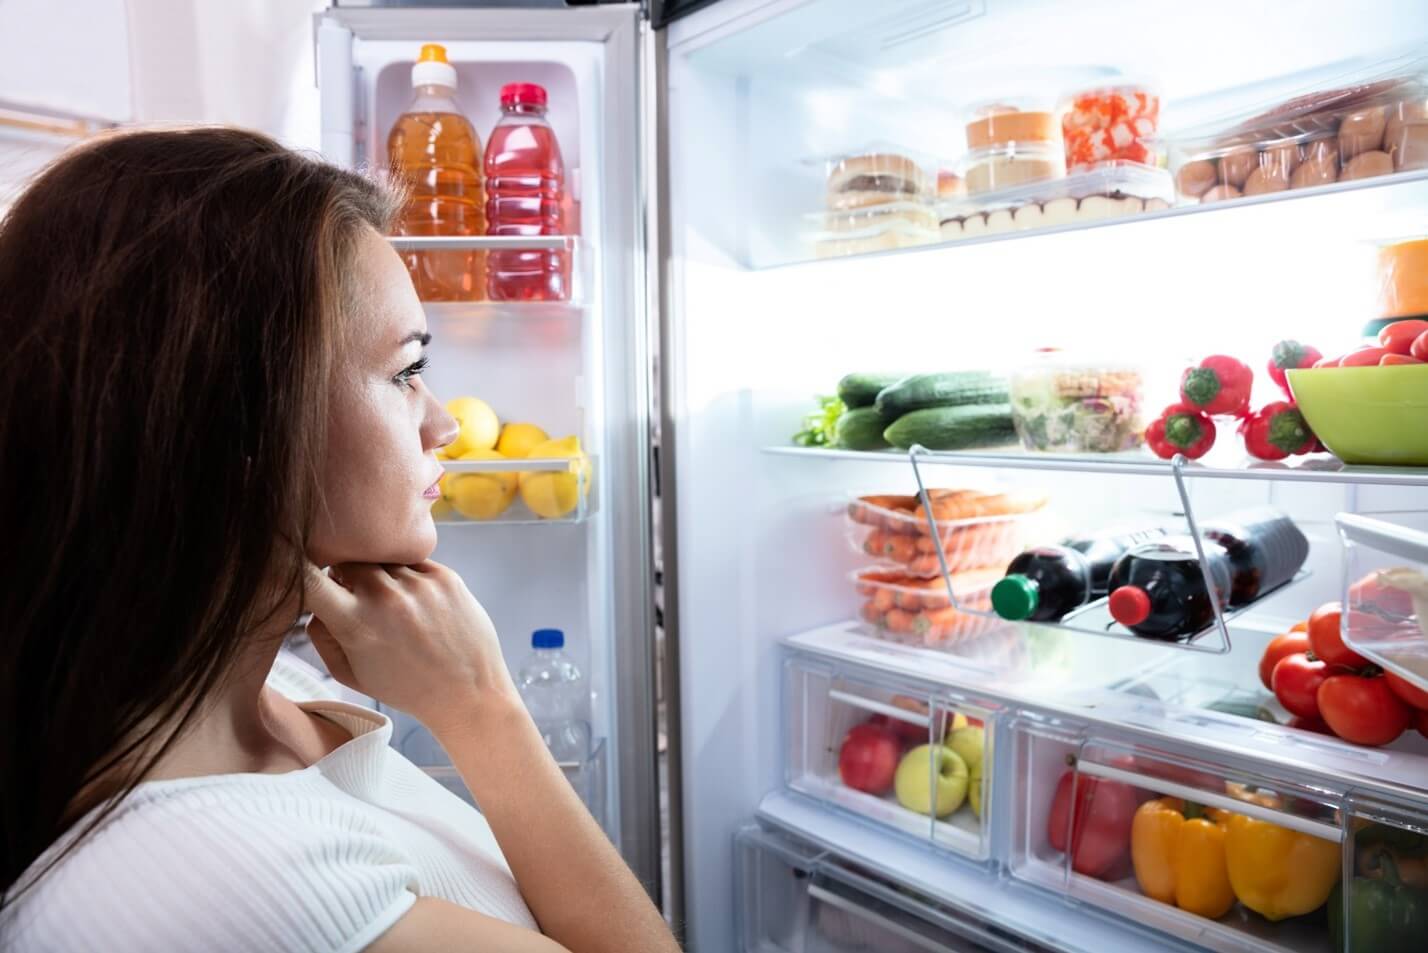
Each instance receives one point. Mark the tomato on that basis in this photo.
(1363, 357)
(1329, 361)
(1315, 725)
(1281, 645)
(1371, 595)
(1098, 824)
(1296, 680)
(1420, 347)
(1362, 709)
(1411, 694)
(1300, 626)
(1327, 641)
(1399, 336)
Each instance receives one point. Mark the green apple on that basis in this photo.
(968, 742)
(914, 780)
(974, 789)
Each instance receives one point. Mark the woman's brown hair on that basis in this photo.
(170, 303)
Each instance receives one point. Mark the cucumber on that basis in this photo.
(861, 390)
(953, 428)
(952, 389)
(860, 429)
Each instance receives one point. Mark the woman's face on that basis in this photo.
(380, 472)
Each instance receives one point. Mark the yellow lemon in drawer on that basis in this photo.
(553, 495)
(479, 426)
(517, 440)
(480, 496)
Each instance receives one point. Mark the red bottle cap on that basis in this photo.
(523, 94)
(1130, 605)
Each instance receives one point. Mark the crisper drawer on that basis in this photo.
(795, 898)
(1221, 854)
(903, 755)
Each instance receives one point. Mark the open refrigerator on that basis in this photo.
(703, 321)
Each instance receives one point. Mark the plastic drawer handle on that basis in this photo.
(863, 913)
(1303, 825)
(882, 708)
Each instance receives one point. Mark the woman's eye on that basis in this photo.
(405, 375)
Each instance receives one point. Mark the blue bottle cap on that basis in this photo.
(547, 639)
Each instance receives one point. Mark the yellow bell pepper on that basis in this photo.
(1179, 857)
(1277, 872)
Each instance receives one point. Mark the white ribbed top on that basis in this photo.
(322, 859)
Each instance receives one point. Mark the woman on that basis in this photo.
(212, 386)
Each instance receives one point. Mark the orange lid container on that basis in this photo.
(1403, 279)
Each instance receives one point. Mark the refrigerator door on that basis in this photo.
(578, 367)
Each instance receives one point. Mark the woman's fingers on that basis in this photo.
(325, 597)
(332, 655)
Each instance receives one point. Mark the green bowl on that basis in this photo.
(1373, 415)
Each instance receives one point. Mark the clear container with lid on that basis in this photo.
(1004, 122)
(1110, 123)
(1360, 122)
(1010, 165)
(880, 174)
(1063, 402)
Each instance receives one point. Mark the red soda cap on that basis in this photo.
(523, 94)
(1130, 605)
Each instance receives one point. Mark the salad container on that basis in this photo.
(1061, 403)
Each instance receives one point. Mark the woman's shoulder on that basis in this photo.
(232, 862)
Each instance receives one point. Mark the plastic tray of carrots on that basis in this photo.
(976, 529)
(917, 611)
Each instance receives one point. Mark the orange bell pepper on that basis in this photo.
(1179, 857)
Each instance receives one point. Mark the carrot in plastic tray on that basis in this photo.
(875, 510)
(980, 505)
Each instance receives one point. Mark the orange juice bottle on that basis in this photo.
(434, 153)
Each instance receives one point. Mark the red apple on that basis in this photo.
(868, 759)
(907, 733)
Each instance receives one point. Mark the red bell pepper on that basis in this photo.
(1097, 828)
(1276, 431)
(1288, 356)
(1180, 428)
(1220, 385)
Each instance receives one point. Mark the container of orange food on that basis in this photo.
(1106, 124)
(1403, 279)
(975, 529)
(916, 611)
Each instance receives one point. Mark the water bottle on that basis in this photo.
(554, 692)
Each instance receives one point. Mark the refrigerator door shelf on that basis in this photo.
(1385, 602)
(897, 783)
(516, 511)
(796, 898)
(577, 251)
(1100, 786)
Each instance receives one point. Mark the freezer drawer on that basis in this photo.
(864, 742)
(1207, 849)
(795, 898)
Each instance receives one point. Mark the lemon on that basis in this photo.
(480, 496)
(552, 495)
(479, 426)
(518, 439)
(442, 509)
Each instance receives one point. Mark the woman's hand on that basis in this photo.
(412, 637)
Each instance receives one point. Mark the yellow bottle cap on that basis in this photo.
(432, 53)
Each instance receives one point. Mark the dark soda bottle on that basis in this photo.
(1045, 583)
(1264, 547)
(1158, 591)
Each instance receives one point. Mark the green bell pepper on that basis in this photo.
(1385, 916)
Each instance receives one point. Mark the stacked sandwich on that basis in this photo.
(875, 201)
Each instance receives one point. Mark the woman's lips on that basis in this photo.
(434, 491)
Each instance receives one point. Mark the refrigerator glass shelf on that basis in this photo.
(516, 511)
(1319, 468)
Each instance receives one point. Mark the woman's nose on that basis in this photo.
(441, 427)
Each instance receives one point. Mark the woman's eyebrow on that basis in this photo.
(419, 336)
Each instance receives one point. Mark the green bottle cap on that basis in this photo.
(1015, 597)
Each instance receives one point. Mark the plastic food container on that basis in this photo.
(991, 125)
(877, 176)
(1112, 190)
(1008, 166)
(1062, 403)
(894, 531)
(1403, 279)
(1109, 124)
(875, 200)
(1371, 122)
(1386, 591)
(914, 610)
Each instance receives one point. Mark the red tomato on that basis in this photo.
(1329, 361)
(1327, 641)
(1371, 595)
(1411, 694)
(1399, 336)
(1300, 626)
(1364, 357)
(1281, 645)
(1363, 710)
(1420, 347)
(1099, 825)
(1315, 725)
(1296, 682)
